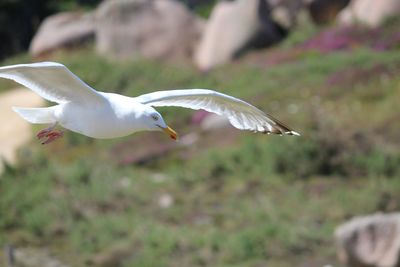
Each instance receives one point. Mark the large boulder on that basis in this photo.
(369, 12)
(286, 12)
(370, 241)
(234, 27)
(155, 29)
(63, 30)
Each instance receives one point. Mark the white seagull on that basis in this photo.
(107, 115)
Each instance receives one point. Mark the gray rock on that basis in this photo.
(63, 30)
(233, 27)
(370, 241)
(165, 201)
(33, 257)
(286, 12)
(369, 12)
(155, 29)
(289, 13)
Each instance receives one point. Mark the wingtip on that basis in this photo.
(294, 133)
(281, 133)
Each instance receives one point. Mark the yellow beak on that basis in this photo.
(171, 133)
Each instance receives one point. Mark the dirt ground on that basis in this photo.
(14, 131)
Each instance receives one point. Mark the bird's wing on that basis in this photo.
(241, 115)
(52, 81)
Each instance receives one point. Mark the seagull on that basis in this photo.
(96, 114)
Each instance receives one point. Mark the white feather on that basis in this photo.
(37, 115)
(52, 81)
(241, 114)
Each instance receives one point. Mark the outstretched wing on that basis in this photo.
(52, 81)
(241, 114)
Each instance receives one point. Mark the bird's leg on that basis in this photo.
(45, 132)
(50, 133)
(53, 135)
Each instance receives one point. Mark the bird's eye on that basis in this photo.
(155, 117)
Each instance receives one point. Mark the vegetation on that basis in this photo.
(235, 199)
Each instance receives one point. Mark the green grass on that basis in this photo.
(262, 200)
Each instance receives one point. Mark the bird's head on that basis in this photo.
(155, 122)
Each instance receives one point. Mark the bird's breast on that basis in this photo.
(97, 121)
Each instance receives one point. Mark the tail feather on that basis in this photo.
(37, 115)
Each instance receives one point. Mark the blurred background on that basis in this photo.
(219, 197)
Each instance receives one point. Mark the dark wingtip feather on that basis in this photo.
(279, 129)
(283, 129)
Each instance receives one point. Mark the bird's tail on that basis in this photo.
(37, 115)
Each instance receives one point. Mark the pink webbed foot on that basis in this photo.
(52, 136)
(43, 133)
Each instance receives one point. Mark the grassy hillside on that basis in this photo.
(234, 198)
